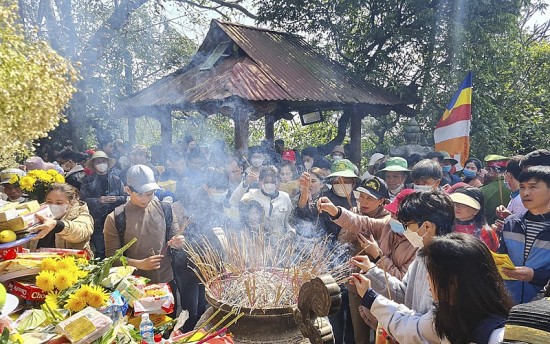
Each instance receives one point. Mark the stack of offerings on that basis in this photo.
(17, 220)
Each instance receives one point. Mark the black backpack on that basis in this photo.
(120, 221)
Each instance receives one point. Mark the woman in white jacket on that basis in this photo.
(276, 204)
(471, 301)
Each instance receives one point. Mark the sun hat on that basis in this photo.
(495, 157)
(448, 157)
(98, 155)
(394, 205)
(6, 175)
(338, 149)
(8, 302)
(374, 158)
(375, 187)
(342, 168)
(141, 178)
(467, 197)
(395, 164)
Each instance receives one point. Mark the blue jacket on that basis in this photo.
(512, 242)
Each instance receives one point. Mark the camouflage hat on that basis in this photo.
(342, 168)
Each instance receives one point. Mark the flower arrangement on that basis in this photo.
(73, 284)
(37, 182)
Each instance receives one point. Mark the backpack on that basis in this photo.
(120, 221)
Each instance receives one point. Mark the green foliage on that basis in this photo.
(35, 85)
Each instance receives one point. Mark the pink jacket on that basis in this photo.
(397, 252)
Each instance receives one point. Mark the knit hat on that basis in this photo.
(342, 168)
(375, 187)
(395, 164)
(529, 323)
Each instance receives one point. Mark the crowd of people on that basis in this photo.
(419, 233)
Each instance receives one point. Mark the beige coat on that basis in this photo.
(79, 226)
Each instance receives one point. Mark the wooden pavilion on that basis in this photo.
(247, 73)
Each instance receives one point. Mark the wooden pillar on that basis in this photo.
(131, 130)
(355, 135)
(270, 128)
(242, 126)
(165, 119)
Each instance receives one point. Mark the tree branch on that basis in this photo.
(222, 3)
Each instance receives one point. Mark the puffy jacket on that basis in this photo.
(512, 242)
(79, 226)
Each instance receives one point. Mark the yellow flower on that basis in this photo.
(52, 172)
(59, 179)
(75, 303)
(64, 279)
(51, 300)
(14, 179)
(84, 291)
(45, 280)
(27, 183)
(48, 264)
(97, 297)
(66, 263)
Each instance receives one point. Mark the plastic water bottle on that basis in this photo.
(146, 329)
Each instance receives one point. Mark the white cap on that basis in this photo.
(374, 158)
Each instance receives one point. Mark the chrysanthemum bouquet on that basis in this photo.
(74, 284)
(36, 182)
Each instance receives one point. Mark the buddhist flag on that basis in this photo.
(452, 133)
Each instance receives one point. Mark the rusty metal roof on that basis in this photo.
(261, 65)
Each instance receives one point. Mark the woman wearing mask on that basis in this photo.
(276, 204)
(72, 225)
(471, 172)
(471, 301)
(470, 217)
(103, 191)
(370, 232)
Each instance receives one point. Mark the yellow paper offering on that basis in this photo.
(502, 260)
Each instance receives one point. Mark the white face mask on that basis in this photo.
(101, 168)
(257, 162)
(414, 238)
(337, 157)
(397, 189)
(422, 188)
(342, 190)
(270, 188)
(308, 165)
(58, 210)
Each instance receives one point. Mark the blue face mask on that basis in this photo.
(396, 226)
(469, 173)
(446, 169)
